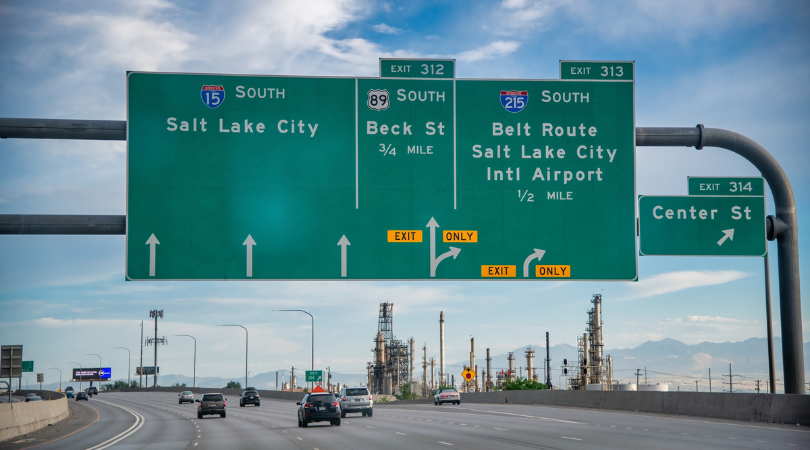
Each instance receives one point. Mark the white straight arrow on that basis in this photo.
(434, 261)
(727, 234)
(152, 242)
(537, 254)
(343, 242)
(250, 243)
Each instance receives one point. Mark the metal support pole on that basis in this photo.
(769, 319)
(784, 228)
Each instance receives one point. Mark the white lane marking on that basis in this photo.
(566, 437)
(502, 429)
(403, 434)
(445, 443)
(139, 421)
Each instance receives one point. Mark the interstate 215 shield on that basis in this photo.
(212, 96)
(514, 101)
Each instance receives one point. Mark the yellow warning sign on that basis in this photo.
(460, 236)
(468, 374)
(404, 235)
(547, 271)
(498, 271)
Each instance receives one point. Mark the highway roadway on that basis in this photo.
(154, 420)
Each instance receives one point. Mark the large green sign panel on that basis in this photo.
(702, 226)
(262, 177)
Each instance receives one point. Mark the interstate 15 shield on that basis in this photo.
(212, 96)
(514, 101)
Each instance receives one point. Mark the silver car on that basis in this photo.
(354, 400)
(446, 395)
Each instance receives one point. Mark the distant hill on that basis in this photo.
(667, 361)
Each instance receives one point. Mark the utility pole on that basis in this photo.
(140, 366)
(156, 340)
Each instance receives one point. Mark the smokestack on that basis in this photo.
(441, 346)
(472, 356)
(511, 360)
(410, 371)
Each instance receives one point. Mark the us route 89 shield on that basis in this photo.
(378, 99)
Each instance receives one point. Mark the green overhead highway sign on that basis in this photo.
(702, 226)
(417, 68)
(745, 186)
(314, 376)
(597, 70)
(28, 366)
(264, 177)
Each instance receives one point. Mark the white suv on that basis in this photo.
(355, 400)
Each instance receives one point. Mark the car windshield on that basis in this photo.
(212, 397)
(325, 398)
(362, 391)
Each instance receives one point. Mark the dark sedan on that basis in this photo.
(249, 398)
(318, 408)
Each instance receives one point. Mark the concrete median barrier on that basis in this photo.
(21, 418)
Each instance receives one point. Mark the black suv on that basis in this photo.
(319, 407)
(249, 398)
(211, 404)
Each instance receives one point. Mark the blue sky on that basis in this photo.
(742, 66)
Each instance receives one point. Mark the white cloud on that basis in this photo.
(492, 50)
(666, 283)
(385, 29)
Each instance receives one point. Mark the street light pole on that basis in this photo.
(99, 364)
(129, 361)
(312, 339)
(194, 383)
(246, 348)
(60, 376)
(80, 368)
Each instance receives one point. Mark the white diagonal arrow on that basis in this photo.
(537, 254)
(343, 242)
(250, 243)
(434, 261)
(727, 234)
(152, 242)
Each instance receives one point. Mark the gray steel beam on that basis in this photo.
(786, 232)
(94, 130)
(61, 224)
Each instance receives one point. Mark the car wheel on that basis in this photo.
(370, 411)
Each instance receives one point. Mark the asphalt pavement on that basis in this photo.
(154, 420)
